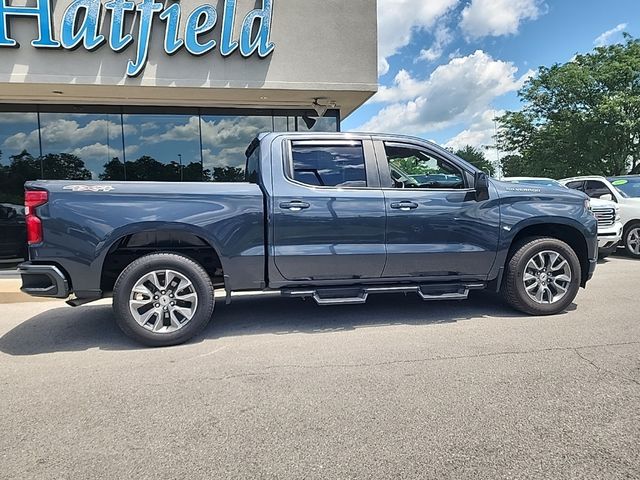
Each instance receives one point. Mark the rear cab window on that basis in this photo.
(326, 165)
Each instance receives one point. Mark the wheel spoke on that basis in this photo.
(175, 322)
(187, 312)
(159, 325)
(187, 297)
(560, 288)
(139, 303)
(532, 287)
(561, 266)
(142, 319)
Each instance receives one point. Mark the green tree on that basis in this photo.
(64, 166)
(22, 168)
(476, 157)
(581, 117)
(113, 170)
(228, 174)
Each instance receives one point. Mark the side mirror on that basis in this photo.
(606, 196)
(481, 186)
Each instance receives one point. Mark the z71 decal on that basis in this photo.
(89, 188)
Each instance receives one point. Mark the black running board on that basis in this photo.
(359, 295)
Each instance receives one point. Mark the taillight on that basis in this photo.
(33, 199)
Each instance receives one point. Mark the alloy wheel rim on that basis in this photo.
(633, 241)
(547, 277)
(163, 301)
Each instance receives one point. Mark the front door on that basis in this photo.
(435, 226)
(328, 221)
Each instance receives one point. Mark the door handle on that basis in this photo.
(404, 206)
(294, 206)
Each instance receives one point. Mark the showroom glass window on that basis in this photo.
(163, 148)
(224, 142)
(19, 154)
(81, 146)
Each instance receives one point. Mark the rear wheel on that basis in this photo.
(631, 239)
(542, 276)
(163, 299)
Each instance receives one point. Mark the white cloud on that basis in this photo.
(232, 156)
(455, 92)
(442, 38)
(482, 18)
(607, 37)
(96, 151)
(18, 117)
(22, 141)
(480, 132)
(398, 19)
(404, 87)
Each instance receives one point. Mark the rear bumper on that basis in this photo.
(43, 281)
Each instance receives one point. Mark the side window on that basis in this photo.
(329, 165)
(596, 189)
(576, 185)
(253, 166)
(414, 168)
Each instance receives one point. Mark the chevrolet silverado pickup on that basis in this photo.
(330, 216)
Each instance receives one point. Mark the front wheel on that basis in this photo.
(542, 277)
(163, 299)
(631, 239)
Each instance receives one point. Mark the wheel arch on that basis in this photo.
(127, 244)
(569, 232)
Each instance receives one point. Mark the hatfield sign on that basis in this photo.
(81, 27)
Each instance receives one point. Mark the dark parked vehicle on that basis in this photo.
(320, 216)
(13, 238)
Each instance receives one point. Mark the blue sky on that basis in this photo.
(447, 67)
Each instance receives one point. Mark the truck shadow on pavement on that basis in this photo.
(77, 329)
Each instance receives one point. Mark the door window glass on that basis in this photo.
(329, 165)
(575, 185)
(414, 168)
(596, 189)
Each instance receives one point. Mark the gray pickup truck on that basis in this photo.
(334, 217)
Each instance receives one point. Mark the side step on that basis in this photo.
(359, 295)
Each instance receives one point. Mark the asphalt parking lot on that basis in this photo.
(280, 388)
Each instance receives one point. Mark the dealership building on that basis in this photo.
(175, 91)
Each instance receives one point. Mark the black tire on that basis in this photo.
(513, 289)
(630, 227)
(156, 262)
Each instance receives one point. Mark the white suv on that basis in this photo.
(606, 211)
(625, 191)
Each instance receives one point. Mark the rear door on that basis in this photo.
(328, 212)
(435, 226)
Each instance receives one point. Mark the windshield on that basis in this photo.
(627, 186)
(547, 182)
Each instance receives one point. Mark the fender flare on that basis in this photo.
(105, 246)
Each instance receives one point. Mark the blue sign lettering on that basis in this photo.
(117, 41)
(41, 11)
(195, 27)
(81, 25)
(87, 31)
